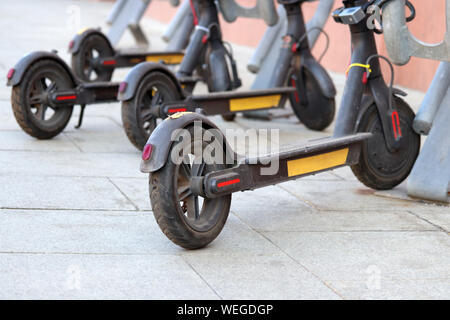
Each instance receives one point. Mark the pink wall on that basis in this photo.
(428, 26)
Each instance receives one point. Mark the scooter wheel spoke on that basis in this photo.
(185, 170)
(197, 169)
(156, 99)
(36, 99)
(41, 112)
(147, 115)
(193, 211)
(51, 87)
(184, 192)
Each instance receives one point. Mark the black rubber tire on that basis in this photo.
(22, 108)
(319, 113)
(80, 63)
(218, 75)
(131, 109)
(170, 216)
(229, 117)
(378, 168)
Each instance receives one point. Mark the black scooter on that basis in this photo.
(299, 78)
(191, 186)
(95, 59)
(45, 89)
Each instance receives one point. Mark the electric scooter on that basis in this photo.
(299, 78)
(45, 88)
(95, 59)
(191, 186)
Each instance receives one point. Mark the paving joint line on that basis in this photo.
(292, 258)
(306, 202)
(66, 151)
(73, 142)
(74, 209)
(442, 229)
(201, 277)
(123, 193)
(87, 253)
(345, 231)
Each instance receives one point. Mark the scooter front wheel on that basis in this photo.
(85, 63)
(188, 220)
(314, 110)
(30, 99)
(140, 114)
(229, 117)
(379, 168)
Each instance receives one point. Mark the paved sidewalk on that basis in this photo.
(75, 218)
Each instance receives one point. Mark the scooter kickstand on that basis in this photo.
(80, 119)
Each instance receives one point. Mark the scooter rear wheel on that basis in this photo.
(30, 99)
(378, 168)
(85, 61)
(189, 221)
(318, 111)
(139, 114)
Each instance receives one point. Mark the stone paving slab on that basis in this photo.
(343, 195)
(298, 219)
(135, 189)
(37, 192)
(20, 141)
(74, 164)
(259, 277)
(350, 256)
(99, 134)
(112, 232)
(75, 276)
(436, 215)
(408, 289)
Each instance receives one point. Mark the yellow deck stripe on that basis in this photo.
(317, 163)
(242, 104)
(168, 59)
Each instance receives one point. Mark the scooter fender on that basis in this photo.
(321, 75)
(76, 42)
(22, 66)
(368, 100)
(161, 139)
(137, 73)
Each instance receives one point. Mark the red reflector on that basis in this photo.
(147, 152)
(109, 62)
(227, 183)
(294, 47)
(396, 125)
(62, 98)
(177, 110)
(205, 39)
(365, 78)
(71, 44)
(10, 73)
(122, 87)
(294, 84)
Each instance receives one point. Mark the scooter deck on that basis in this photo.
(87, 93)
(290, 163)
(133, 58)
(232, 101)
